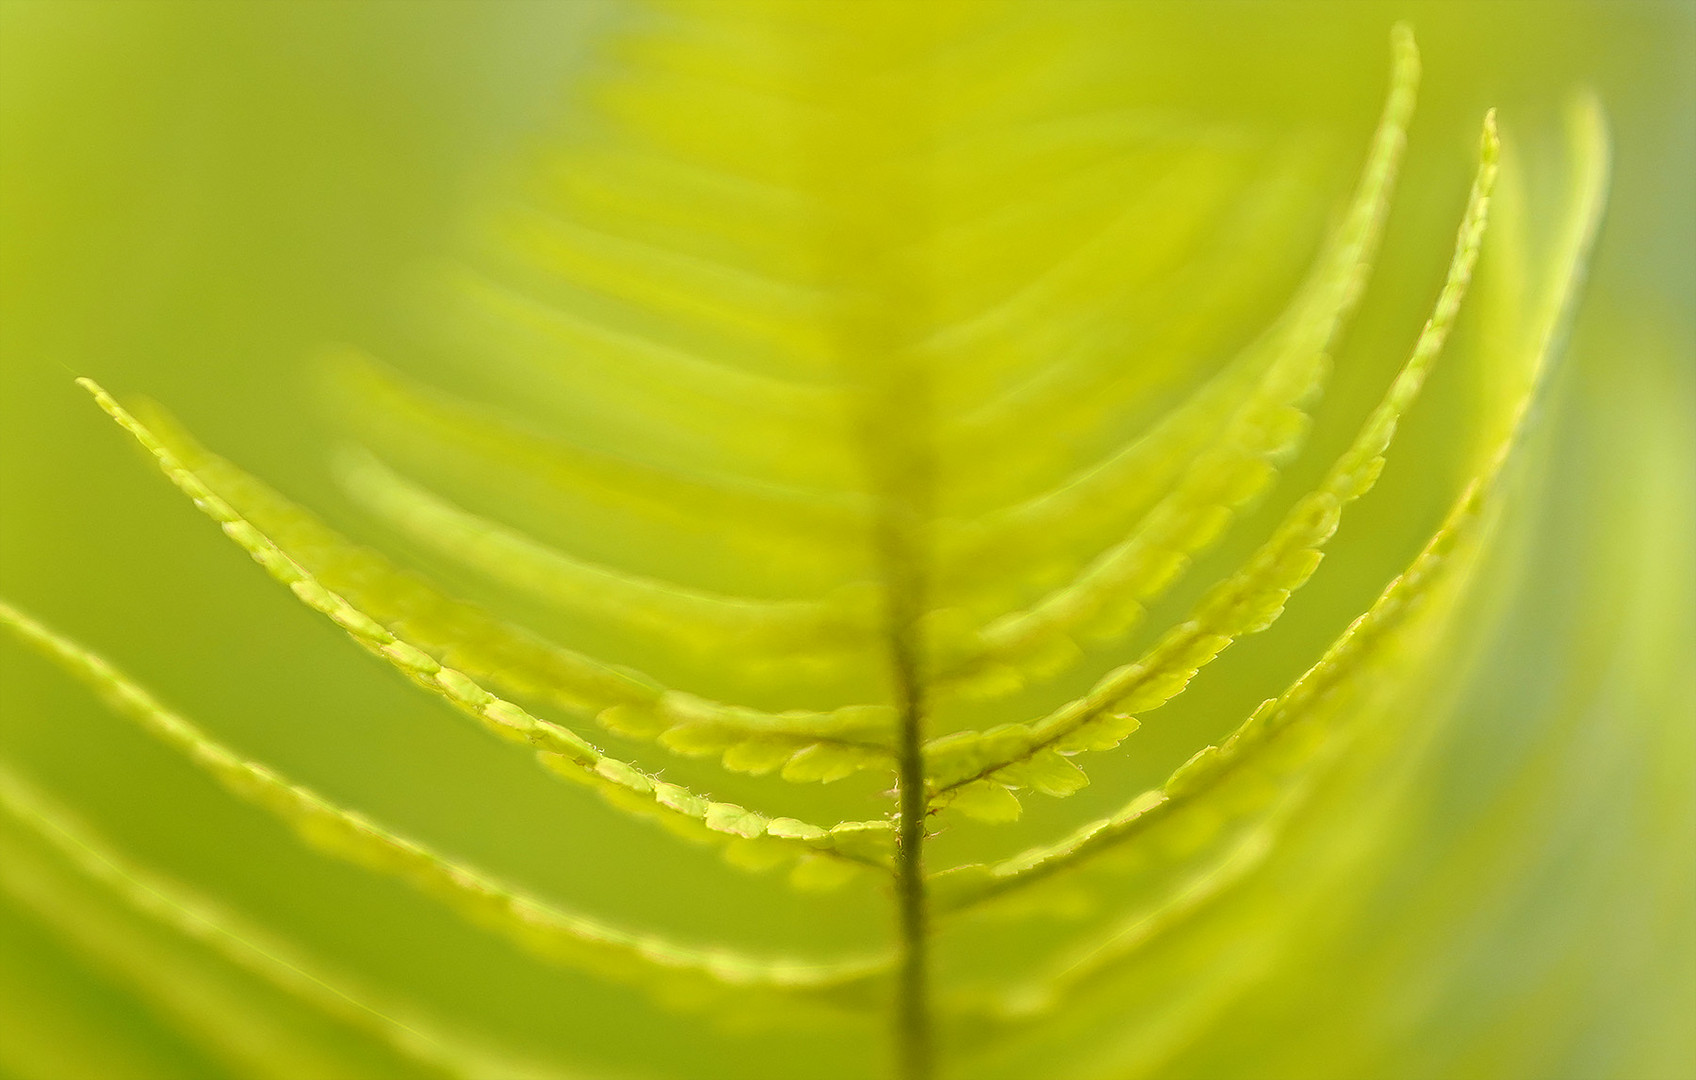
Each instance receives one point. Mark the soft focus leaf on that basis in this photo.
(807, 394)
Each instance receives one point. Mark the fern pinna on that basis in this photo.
(880, 398)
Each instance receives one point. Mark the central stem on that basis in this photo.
(905, 467)
(897, 414)
(912, 1005)
(871, 170)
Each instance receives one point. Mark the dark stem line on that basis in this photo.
(901, 465)
(901, 469)
(912, 1005)
(876, 205)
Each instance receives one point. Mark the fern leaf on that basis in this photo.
(875, 353)
(1041, 529)
(559, 749)
(816, 539)
(1106, 599)
(1256, 745)
(1193, 782)
(582, 369)
(1254, 597)
(1067, 372)
(806, 745)
(471, 640)
(1262, 774)
(1116, 253)
(239, 1028)
(257, 952)
(758, 635)
(1129, 935)
(574, 940)
(671, 284)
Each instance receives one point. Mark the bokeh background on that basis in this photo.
(196, 198)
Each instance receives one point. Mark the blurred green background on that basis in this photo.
(195, 198)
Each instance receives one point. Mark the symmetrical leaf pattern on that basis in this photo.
(888, 405)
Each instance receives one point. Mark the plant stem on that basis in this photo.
(912, 1004)
(902, 468)
(894, 415)
(873, 213)
(901, 542)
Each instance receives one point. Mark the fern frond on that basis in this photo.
(231, 937)
(1253, 742)
(583, 370)
(1030, 537)
(1246, 789)
(727, 825)
(818, 536)
(640, 958)
(802, 742)
(846, 365)
(1257, 745)
(673, 285)
(1245, 603)
(805, 744)
(1107, 598)
(1110, 249)
(1024, 540)
(1067, 372)
(757, 636)
(239, 1029)
(1127, 936)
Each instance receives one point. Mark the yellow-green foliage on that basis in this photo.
(882, 414)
